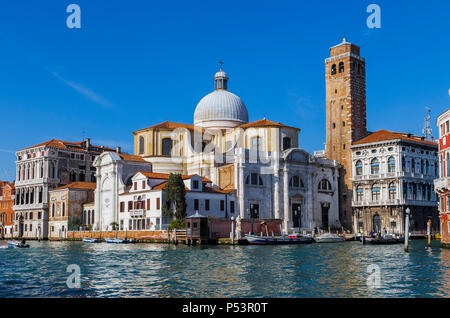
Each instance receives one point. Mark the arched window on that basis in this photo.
(296, 182)
(413, 166)
(81, 177)
(427, 167)
(374, 166)
(359, 193)
(403, 164)
(256, 143)
(141, 145)
(375, 192)
(422, 166)
(53, 210)
(73, 176)
(359, 168)
(286, 143)
(333, 69)
(341, 67)
(254, 179)
(392, 191)
(391, 164)
(51, 170)
(324, 185)
(166, 147)
(63, 209)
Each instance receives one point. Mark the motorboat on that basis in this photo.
(289, 239)
(119, 241)
(91, 240)
(15, 244)
(329, 238)
(385, 240)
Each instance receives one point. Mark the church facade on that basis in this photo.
(272, 177)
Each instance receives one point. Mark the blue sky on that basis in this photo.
(137, 63)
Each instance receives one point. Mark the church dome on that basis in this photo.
(220, 109)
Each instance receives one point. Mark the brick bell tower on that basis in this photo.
(345, 115)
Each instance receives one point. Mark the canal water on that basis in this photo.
(157, 270)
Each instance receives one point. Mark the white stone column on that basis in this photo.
(276, 180)
(241, 184)
(287, 218)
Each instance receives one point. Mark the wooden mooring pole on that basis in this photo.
(407, 229)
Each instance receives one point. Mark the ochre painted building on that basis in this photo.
(7, 196)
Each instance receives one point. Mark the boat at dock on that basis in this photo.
(385, 240)
(270, 240)
(119, 241)
(91, 240)
(329, 238)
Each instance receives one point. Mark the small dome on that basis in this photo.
(220, 109)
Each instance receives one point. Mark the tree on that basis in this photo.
(74, 222)
(175, 197)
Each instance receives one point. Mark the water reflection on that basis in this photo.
(157, 270)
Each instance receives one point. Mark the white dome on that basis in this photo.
(220, 109)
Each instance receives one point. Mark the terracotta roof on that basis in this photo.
(170, 125)
(265, 123)
(384, 135)
(156, 175)
(67, 145)
(78, 185)
(128, 157)
(216, 190)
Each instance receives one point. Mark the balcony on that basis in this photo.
(376, 203)
(137, 213)
(442, 184)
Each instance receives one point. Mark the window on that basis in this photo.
(53, 210)
(195, 184)
(166, 147)
(63, 209)
(256, 143)
(359, 168)
(130, 205)
(254, 179)
(359, 194)
(122, 206)
(141, 145)
(231, 206)
(206, 205)
(158, 203)
(374, 166)
(196, 207)
(135, 185)
(376, 192)
(286, 143)
(343, 124)
(222, 205)
(392, 191)
(333, 69)
(391, 164)
(324, 185)
(413, 166)
(296, 182)
(341, 67)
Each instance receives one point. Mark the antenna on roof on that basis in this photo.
(426, 131)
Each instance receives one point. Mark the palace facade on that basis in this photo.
(391, 172)
(44, 167)
(442, 184)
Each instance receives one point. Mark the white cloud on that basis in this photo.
(84, 91)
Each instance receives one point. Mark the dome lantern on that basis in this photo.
(221, 80)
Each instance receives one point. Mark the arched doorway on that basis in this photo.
(376, 223)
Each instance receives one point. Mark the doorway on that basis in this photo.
(376, 223)
(325, 223)
(254, 211)
(297, 215)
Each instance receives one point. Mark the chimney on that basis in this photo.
(118, 149)
(88, 143)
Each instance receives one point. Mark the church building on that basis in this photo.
(261, 160)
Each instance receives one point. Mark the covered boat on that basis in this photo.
(329, 238)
